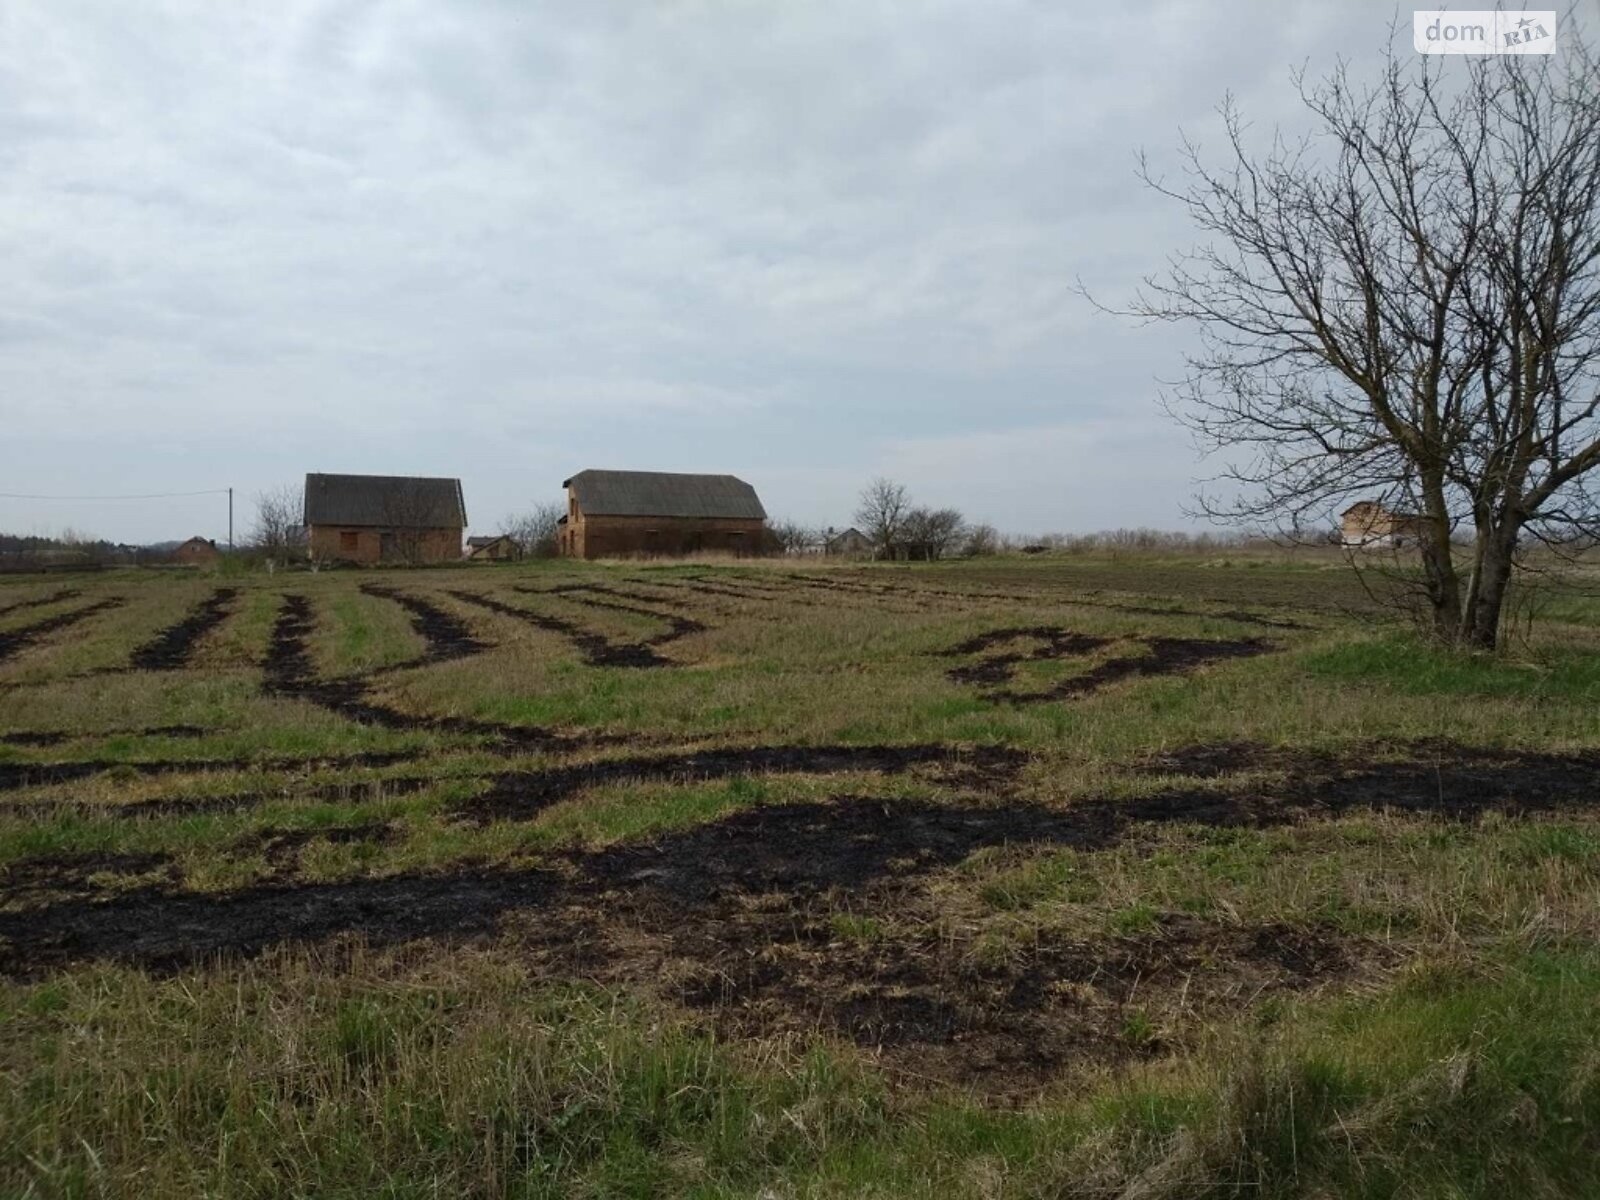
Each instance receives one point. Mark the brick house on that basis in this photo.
(625, 513)
(370, 519)
(1369, 523)
(197, 552)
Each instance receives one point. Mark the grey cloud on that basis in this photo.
(803, 242)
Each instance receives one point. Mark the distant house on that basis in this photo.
(369, 519)
(623, 513)
(1369, 523)
(849, 543)
(196, 552)
(500, 548)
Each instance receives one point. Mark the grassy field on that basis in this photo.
(1022, 877)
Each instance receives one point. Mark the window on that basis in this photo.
(349, 541)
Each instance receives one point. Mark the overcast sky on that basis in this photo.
(805, 243)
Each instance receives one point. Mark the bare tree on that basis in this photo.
(410, 513)
(881, 514)
(981, 540)
(791, 537)
(535, 530)
(279, 532)
(1405, 306)
(930, 533)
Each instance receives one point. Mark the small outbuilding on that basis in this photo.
(850, 543)
(632, 513)
(1369, 523)
(499, 548)
(367, 519)
(197, 552)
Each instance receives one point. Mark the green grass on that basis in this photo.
(1447, 1051)
(1416, 669)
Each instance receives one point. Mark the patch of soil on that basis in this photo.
(41, 601)
(1163, 656)
(524, 794)
(171, 649)
(445, 637)
(597, 650)
(14, 641)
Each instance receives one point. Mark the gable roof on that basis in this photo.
(407, 500)
(664, 494)
(477, 543)
(1379, 509)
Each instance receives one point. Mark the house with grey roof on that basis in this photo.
(617, 514)
(369, 519)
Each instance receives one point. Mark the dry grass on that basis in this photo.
(1365, 1002)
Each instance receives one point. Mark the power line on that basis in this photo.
(145, 496)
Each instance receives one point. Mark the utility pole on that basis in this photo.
(230, 520)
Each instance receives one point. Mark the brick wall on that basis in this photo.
(366, 544)
(627, 537)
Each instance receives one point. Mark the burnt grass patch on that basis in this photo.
(723, 590)
(677, 624)
(444, 636)
(282, 849)
(596, 649)
(171, 649)
(739, 917)
(56, 737)
(14, 641)
(1048, 599)
(1437, 777)
(40, 601)
(288, 672)
(78, 874)
(14, 776)
(1236, 615)
(524, 794)
(1161, 656)
(351, 791)
(736, 918)
(996, 669)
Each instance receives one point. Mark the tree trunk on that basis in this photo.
(1440, 581)
(1480, 626)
